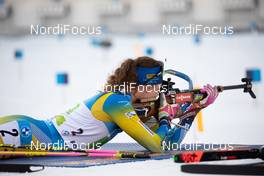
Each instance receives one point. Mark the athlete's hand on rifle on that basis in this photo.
(167, 111)
(212, 94)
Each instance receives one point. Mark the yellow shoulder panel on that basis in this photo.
(97, 109)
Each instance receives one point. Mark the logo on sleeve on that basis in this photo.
(65, 132)
(25, 131)
(130, 114)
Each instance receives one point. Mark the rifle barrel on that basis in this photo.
(241, 86)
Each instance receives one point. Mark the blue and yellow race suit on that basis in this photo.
(94, 121)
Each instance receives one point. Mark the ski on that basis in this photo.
(242, 169)
(199, 156)
(21, 168)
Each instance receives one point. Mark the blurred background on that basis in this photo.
(44, 75)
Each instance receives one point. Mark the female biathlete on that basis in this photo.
(97, 120)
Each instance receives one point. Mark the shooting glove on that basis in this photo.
(212, 94)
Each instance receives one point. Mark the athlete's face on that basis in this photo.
(147, 92)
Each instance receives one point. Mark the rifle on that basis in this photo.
(175, 95)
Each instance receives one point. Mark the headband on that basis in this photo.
(149, 75)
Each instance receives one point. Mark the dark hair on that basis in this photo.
(126, 73)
